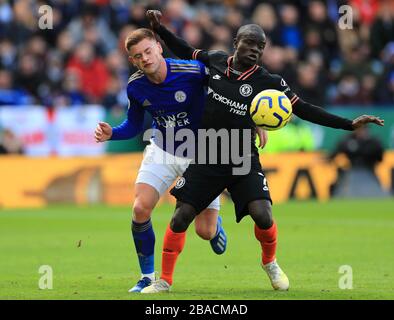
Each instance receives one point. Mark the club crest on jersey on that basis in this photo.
(246, 90)
(180, 183)
(180, 96)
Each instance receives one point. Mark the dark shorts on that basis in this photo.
(199, 187)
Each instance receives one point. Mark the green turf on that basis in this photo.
(315, 239)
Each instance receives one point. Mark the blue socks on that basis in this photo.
(144, 240)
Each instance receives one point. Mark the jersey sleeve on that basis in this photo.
(181, 48)
(133, 124)
(310, 112)
(281, 85)
(202, 56)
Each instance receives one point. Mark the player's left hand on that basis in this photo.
(263, 137)
(364, 119)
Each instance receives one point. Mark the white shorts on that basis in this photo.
(160, 169)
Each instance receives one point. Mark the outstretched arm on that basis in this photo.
(309, 112)
(312, 113)
(177, 45)
(124, 131)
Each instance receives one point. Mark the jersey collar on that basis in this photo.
(243, 75)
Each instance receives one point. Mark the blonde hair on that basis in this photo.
(137, 36)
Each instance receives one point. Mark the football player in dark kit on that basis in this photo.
(233, 82)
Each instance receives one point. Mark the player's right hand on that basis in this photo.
(154, 17)
(103, 132)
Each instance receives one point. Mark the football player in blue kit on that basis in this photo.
(172, 92)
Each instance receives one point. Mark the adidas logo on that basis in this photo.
(146, 103)
(216, 77)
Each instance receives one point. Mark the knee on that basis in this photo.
(206, 224)
(265, 222)
(206, 232)
(262, 215)
(178, 222)
(141, 211)
(183, 216)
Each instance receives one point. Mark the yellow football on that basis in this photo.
(271, 109)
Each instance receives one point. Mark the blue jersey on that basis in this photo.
(176, 103)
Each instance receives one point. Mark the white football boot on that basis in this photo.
(157, 286)
(278, 278)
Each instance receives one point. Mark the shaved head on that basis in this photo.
(249, 45)
(253, 31)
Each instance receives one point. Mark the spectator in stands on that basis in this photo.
(23, 25)
(193, 35)
(276, 60)
(308, 85)
(348, 90)
(366, 10)
(361, 148)
(386, 96)
(299, 32)
(364, 152)
(8, 94)
(386, 83)
(137, 15)
(8, 54)
(54, 73)
(6, 16)
(314, 46)
(290, 31)
(113, 97)
(368, 94)
(319, 21)
(9, 143)
(118, 14)
(205, 23)
(265, 16)
(356, 63)
(70, 93)
(89, 25)
(175, 18)
(382, 30)
(29, 76)
(233, 20)
(222, 36)
(38, 48)
(92, 71)
(117, 65)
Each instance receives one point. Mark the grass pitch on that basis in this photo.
(92, 254)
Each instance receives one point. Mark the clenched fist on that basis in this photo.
(103, 132)
(154, 17)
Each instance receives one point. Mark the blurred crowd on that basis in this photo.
(82, 60)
